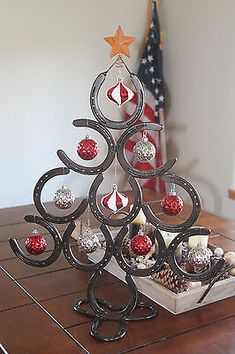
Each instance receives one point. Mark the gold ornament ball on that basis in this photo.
(232, 272)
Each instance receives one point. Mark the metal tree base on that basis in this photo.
(102, 310)
(123, 322)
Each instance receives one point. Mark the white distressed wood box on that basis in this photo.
(175, 303)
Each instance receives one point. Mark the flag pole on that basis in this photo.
(158, 4)
(149, 16)
(148, 19)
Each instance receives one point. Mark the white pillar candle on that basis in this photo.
(194, 284)
(195, 240)
(168, 238)
(140, 218)
(137, 224)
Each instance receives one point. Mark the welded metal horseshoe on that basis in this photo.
(94, 330)
(222, 271)
(175, 267)
(101, 312)
(37, 193)
(153, 311)
(78, 307)
(127, 166)
(101, 118)
(88, 123)
(139, 272)
(196, 206)
(43, 262)
(109, 220)
(85, 266)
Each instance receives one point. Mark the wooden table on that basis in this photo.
(36, 314)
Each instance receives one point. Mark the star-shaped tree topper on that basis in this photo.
(119, 43)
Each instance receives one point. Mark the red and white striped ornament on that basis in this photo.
(114, 200)
(120, 93)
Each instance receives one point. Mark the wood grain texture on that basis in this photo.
(19, 270)
(23, 229)
(28, 330)
(221, 241)
(159, 329)
(209, 330)
(68, 317)
(215, 338)
(50, 285)
(10, 295)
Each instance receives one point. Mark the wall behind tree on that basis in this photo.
(51, 51)
(199, 56)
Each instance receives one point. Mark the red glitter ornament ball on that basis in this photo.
(35, 244)
(172, 205)
(87, 149)
(141, 244)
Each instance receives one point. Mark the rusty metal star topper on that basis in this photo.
(119, 43)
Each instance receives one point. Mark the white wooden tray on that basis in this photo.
(175, 303)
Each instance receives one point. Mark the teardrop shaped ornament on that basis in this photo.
(114, 200)
(120, 93)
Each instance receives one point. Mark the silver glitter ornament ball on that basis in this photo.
(88, 242)
(199, 255)
(64, 198)
(144, 150)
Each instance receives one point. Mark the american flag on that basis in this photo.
(151, 74)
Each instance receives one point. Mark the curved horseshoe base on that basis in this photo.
(94, 331)
(150, 311)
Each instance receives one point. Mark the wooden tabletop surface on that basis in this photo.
(37, 316)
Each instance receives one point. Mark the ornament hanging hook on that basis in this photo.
(173, 188)
(34, 224)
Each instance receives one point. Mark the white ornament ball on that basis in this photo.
(144, 150)
(199, 255)
(218, 252)
(88, 242)
(64, 198)
(229, 258)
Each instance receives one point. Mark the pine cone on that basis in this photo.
(169, 280)
(126, 248)
(185, 250)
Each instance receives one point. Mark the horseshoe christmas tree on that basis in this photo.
(131, 232)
